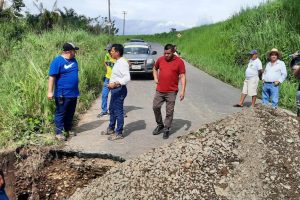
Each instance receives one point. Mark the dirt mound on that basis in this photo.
(251, 155)
(48, 174)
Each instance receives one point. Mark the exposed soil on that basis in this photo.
(45, 173)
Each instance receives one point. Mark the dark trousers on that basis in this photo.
(64, 114)
(159, 99)
(298, 103)
(116, 109)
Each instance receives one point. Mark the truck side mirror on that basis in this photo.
(154, 52)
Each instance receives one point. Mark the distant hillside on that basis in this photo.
(221, 49)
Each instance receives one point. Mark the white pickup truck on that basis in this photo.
(140, 57)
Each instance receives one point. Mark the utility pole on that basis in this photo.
(124, 13)
(109, 19)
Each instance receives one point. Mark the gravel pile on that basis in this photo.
(250, 155)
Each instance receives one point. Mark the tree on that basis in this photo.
(1, 5)
(173, 30)
(13, 11)
(17, 6)
(101, 25)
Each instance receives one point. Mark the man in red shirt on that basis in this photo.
(167, 71)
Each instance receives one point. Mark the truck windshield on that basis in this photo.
(136, 50)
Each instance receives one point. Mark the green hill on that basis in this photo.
(221, 49)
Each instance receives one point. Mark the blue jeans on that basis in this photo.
(105, 92)
(116, 109)
(270, 90)
(64, 113)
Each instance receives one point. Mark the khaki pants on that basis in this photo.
(159, 99)
(250, 86)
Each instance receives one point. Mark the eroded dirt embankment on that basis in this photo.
(47, 173)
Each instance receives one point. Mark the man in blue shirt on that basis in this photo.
(63, 74)
(3, 195)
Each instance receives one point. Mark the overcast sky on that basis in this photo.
(155, 16)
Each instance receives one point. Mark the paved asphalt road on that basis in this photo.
(207, 100)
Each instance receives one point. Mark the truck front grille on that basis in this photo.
(137, 62)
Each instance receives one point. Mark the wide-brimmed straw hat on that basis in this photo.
(274, 50)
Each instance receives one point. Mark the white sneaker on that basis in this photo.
(60, 137)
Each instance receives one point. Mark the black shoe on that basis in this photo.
(116, 137)
(166, 133)
(102, 114)
(158, 130)
(298, 113)
(108, 132)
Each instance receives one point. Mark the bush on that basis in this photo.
(25, 112)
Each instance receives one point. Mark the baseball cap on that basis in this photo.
(108, 47)
(253, 52)
(69, 46)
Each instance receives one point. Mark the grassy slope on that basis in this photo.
(221, 49)
(24, 108)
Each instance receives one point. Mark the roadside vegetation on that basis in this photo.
(221, 49)
(30, 41)
(28, 45)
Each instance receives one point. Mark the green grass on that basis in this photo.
(26, 116)
(221, 49)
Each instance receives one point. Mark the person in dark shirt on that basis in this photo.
(3, 195)
(295, 59)
(295, 64)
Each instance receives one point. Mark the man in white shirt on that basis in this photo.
(253, 72)
(117, 84)
(274, 75)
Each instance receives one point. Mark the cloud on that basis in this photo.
(144, 27)
(204, 21)
(157, 15)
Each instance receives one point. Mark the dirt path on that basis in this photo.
(207, 100)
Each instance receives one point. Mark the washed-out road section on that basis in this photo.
(207, 100)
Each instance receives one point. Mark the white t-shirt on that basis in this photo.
(253, 67)
(120, 72)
